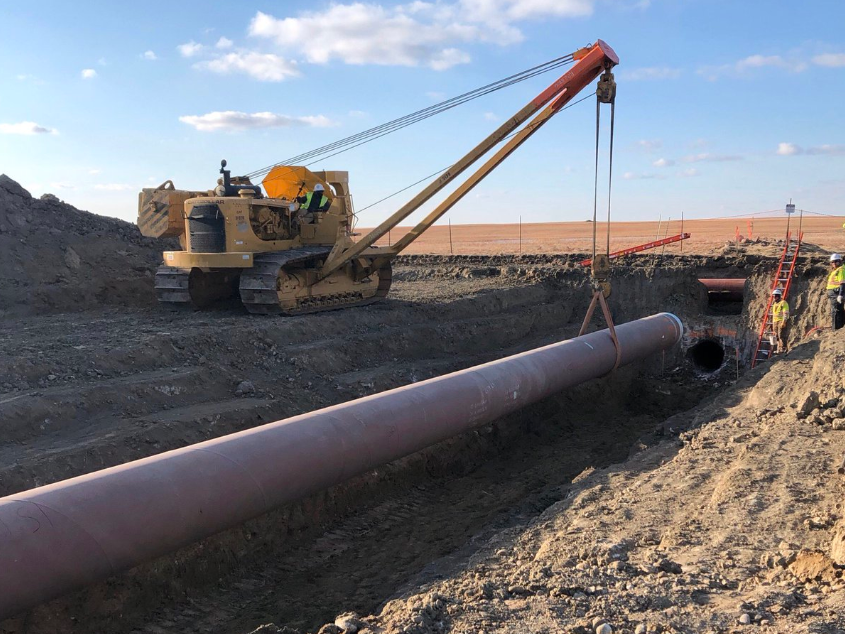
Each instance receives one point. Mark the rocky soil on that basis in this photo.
(55, 257)
(634, 501)
(732, 522)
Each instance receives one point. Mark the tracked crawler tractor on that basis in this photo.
(268, 250)
(290, 248)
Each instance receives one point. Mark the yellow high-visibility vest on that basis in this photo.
(780, 311)
(836, 278)
(323, 201)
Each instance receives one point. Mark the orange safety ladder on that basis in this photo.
(783, 280)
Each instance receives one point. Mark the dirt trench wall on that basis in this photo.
(808, 303)
(188, 365)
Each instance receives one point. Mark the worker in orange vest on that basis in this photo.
(780, 319)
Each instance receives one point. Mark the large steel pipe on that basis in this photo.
(724, 289)
(66, 535)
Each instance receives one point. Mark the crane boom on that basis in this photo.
(592, 61)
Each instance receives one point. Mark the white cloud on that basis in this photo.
(490, 116)
(232, 120)
(831, 60)
(760, 61)
(829, 150)
(752, 62)
(711, 158)
(102, 61)
(113, 187)
(94, 172)
(260, 66)
(650, 73)
(62, 185)
(88, 73)
(449, 57)
(437, 96)
(649, 145)
(790, 149)
(492, 11)
(357, 114)
(189, 49)
(149, 55)
(690, 172)
(25, 128)
(413, 33)
(633, 176)
(405, 35)
(662, 162)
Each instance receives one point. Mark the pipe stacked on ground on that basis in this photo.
(64, 536)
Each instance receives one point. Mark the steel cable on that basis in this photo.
(391, 126)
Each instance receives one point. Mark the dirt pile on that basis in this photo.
(731, 521)
(55, 257)
(764, 246)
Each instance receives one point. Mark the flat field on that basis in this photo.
(708, 236)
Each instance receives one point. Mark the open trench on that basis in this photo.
(131, 385)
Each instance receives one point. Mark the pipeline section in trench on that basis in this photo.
(724, 289)
(67, 535)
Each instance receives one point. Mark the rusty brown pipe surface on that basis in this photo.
(66, 535)
(725, 289)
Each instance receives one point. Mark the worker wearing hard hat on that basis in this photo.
(312, 202)
(836, 291)
(780, 318)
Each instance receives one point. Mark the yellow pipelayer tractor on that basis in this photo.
(285, 252)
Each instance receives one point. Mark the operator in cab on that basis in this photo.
(836, 291)
(312, 202)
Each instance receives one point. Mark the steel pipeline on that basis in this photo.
(727, 289)
(63, 536)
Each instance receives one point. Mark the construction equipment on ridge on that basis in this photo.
(282, 258)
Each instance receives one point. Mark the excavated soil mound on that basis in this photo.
(56, 258)
(727, 524)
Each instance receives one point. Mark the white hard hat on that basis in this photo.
(835, 258)
(318, 188)
(777, 291)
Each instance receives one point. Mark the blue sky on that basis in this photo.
(723, 107)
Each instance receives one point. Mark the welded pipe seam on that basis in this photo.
(724, 289)
(66, 535)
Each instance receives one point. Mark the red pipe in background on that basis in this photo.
(66, 535)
